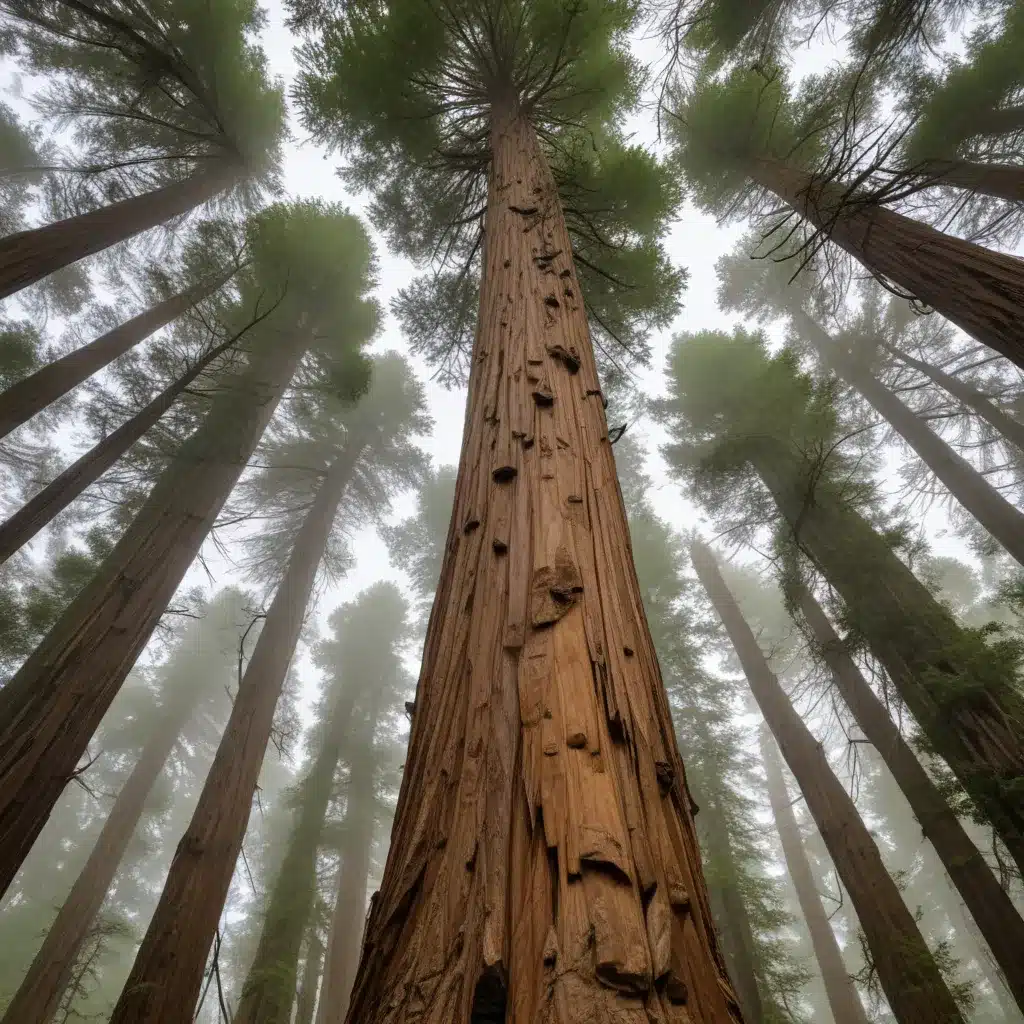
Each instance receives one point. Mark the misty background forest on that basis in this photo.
(251, 259)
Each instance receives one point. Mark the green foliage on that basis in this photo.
(18, 153)
(19, 351)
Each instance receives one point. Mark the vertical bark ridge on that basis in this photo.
(992, 909)
(909, 976)
(167, 974)
(543, 837)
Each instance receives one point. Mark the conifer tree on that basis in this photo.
(172, 107)
(765, 421)
(563, 879)
(320, 259)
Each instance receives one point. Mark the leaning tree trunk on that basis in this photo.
(20, 402)
(167, 974)
(269, 988)
(979, 290)
(39, 510)
(839, 988)
(1000, 181)
(41, 989)
(909, 976)
(1004, 522)
(350, 899)
(543, 863)
(29, 256)
(964, 697)
(1012, 430)
(50, 709)
(312, 970)
(992, 909)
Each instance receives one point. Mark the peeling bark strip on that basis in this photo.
(540, 870)
(906, 969)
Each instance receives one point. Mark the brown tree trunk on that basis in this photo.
(269, 988)
(350, 900)
(970, 396)
(965, 708)
(979, 290)
(29, 256)
(22, 401)
(167, 974)
(39, 510)
(41, 989)
(51, 707)
(906, 969)
(1004, 522)
(839, 988)
(543, 863)
(992, 909)
(1000, 121)
(1000, 181)
(312, 969)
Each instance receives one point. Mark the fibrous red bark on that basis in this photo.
(543, 864)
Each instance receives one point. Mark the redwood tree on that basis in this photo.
(320, 258)
(543, 863)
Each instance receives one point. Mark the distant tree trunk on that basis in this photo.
(839, 988)
(1000, 181)
(312, 969)
(970, 396)
(51, 707)
(979, 290)
(40, 510)
(906, 969)
(966, 703)
(543, 863)
(41, 989)
(167, 974)
(999, 121)
(992, 909)
(1004, 522)
(20, 402)
(269, 988)
(353, 875)
(29, 256)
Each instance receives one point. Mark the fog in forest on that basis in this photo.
(511, 511)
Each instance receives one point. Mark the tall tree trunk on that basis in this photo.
(269, 988)
(906, 969)
(991, 907)
(970, 396)
(543, 862)
(51, 707)
(842, 995)
(167, 974)
(312, 970)
(29, 256)
(1004, 522)
(1000, 181)
(39, 510)
(350, 899)
(41, 989)
(979, 290)
(965, 701)
(20, 402)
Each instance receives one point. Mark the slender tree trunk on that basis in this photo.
(1000, 181)
(29, 256)
(23, 400)
(1011, 429)
(312, 970)
(979, 290)
(40, 510)
(842, 995)
(41, 989)
(167, 974)
(906, 969)
(350, 900)
(269, 988)
(965, 701)
(543, 863)
(1000, 121)
(1004, 522)
(51, 707)
(992, 909)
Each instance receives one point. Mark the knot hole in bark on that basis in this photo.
(490, 998)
